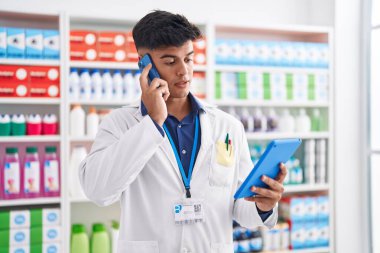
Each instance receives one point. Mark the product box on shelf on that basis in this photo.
(13, 74)
(3, 42)
(112, 46)
(83, 38)
(38, 248)
(300, 59)
(44, 81)
(198, 85)
(323, 234)
(200, 51)
(264, 53)
(14, 237)
(112, 54)
(34, 43)
(45, 217)
(292, 209)
(222, 51)
(14, 219)
(51, 44)
(289, 54)
(311, 209)
(79, 52)
(15, 43)
(323, 208)
(14, 89)
(41, 235)
(132, 55)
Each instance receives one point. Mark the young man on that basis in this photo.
(174, 162)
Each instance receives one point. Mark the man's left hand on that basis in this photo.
(266, 199)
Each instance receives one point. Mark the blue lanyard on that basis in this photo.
(185, 179)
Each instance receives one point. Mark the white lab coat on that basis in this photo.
(132, 162)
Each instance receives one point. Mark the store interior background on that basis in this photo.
(346, 17)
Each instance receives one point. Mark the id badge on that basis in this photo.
(189, 211)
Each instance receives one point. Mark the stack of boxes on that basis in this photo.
(29, 81)
(29, 43)
(308, 219)
(35, 231)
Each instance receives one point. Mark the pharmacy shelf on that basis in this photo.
(27, 202)
(101, 102)
(29, 62)
(243, 68)
(311, 250)
(35, 138)
(248, 103)
(79, 200)
(276, 135)
(306, 188)
(82, 139)
(31, 101)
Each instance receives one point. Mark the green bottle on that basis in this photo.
(100, 241)
(79, 239)
(316, 121)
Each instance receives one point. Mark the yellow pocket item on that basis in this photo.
(223, 156)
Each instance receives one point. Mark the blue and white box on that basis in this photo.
(236, 52)
(3, 42)
(300, 59)
(298, 236)
(311, 209)
(51, 44)
(15, 43)
(19, 249)
(19, 237)
(324, 55)
(19, 219)
(313, 55)
(51, 248)
(263, 53)
(222, 51)
(312, 234)
(277, 54)
(34, 43)
(323, 208)
(52, 234)
(250, 53)
(323, 234)
(289, 54)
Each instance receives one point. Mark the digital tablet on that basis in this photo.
(276, 152)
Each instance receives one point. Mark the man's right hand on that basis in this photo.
(154, 96)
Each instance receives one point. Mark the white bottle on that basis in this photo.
(92, 122)
(77, 121)
(78, 154)
(129, 85)
(117, 81)
(247, 120)
(107, 85)
(137, 84)
(96, 82)
(303, 122)
(232, 111)
(286, 122)
(85, 85)
(74, 89)
(259, 121)
(272, 120)
(115, 235)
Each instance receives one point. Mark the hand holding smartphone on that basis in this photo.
(145, 61)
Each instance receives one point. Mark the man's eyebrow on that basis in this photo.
(174, 56)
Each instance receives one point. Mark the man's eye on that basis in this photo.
(170, 63)
(189, 60)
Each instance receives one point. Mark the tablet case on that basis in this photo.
(276, 152)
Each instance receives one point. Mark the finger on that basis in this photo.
(144, 77)
(157, 82)
(273, 184)
(163, 91)
(282, 174)
(266, 193)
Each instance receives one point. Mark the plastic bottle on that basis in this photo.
(316, 121)
(115, 235)
(232, 111)
(49, 124)
(5, 125)
(85, 85)
(272, 121)
(100, 241)
(18, 125)
(107, 85)
(34, 124)
(79, 239)
(78, 154)
(96, 85)
(259, 121)
(117, 81)
(31, 174)
(286, 122)
(303, 123)
(92, 123)
(74, 89)
(77, 121)
(137, 85)
(247, 120)
(11, 174)
(129, 85)
(51, 178)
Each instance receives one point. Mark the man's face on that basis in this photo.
(175, 66)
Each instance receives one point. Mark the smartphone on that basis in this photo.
(153, 73)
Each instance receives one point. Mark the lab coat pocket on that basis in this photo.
(222, 248)
(221, 171)
(138, 247)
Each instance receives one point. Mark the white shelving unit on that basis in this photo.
(77, 209)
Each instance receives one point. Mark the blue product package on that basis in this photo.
(222, 51)
(289, 49)
(51, 44)
(300, 54)
(323, 234)
(263, 53)
(237, 52)
(311, 209)
(312, 233)
(313, 55)
(324, 55)
(34, 43)
(3, 42)
(298, 236)
(276, 54)
(15, 43)
(323, 208)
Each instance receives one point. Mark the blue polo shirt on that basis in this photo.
(182, 133)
